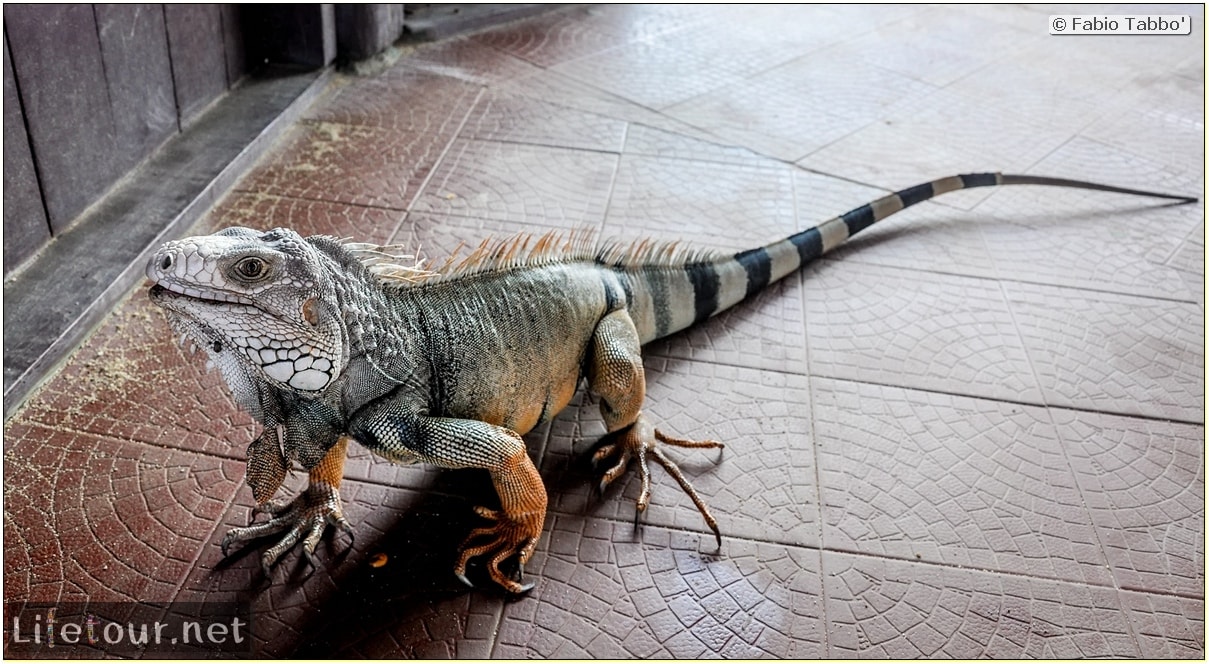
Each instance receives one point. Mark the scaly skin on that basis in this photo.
(325, 342)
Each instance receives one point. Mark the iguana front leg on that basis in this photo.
(615, 373)
(305, 517)
(461, 443)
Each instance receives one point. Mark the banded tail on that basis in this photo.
(672, 303)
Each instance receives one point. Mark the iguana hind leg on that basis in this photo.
(615, 373)
(304, 518)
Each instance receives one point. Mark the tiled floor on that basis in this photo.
(976, 431)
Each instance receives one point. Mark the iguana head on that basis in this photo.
(264, 303)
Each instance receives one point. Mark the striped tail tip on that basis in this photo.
(835, 231)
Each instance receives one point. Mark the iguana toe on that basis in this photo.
(303, 519)
(508, 536)
(637, 442)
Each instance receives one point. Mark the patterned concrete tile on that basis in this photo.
(556, 88)
(518, 119)
(131, 381)
(1084, 240)
(653, 142)
(704, 204)
(1113, 353)
(307, 217)
(931, 237)
(351, 164)
(1155, 131)
(1144, 484)
(1189, 261)
(578, 32)
(800, 107)
(1166, 627)
(1089, 239)
(891, 609)
(402, 100)
(957, 44)
(921, 138)
(604, 595)
(795, 30)
(91, 518)
(965, 482)
(660, 72)
(1040, 95)
(820, 197)
(762, 486)
(891, 326)
(520, 183)
(1043, 95)
(465, 59)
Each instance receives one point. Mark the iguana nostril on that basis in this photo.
(166, 263)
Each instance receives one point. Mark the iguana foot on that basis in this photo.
(637, 442)
(509, 535)
(303, 518)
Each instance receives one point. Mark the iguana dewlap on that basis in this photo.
(325, 341)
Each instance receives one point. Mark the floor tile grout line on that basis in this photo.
(930, 390)
(453, 138)
(1101, 548)
(602, 225)
(1188, 238)
(887, 557)
(854, 257)
(315, 199)
(800, 276)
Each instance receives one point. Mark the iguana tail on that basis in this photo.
(675, 299)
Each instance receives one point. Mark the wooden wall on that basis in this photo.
(90, 91)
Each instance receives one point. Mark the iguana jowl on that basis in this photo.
(325, 341)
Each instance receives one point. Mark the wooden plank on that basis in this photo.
(232, 34)
(363, 30)
(56, 57)
(199, 67)
(134, 48)
(25, 228)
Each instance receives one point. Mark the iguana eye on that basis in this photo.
(250, 268)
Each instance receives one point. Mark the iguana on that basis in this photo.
(325, 341)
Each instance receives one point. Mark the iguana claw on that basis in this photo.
(507, 536)
(638, 441)
(304, 518)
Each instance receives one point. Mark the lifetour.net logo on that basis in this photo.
(126, 628)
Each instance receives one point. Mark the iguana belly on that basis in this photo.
(521, 415)
(513, 347)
